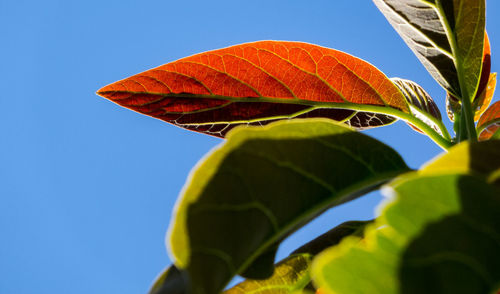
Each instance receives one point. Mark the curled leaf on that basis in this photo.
(489, 122)
(453, 107)
(259, 82)
(481, 102)
(484, 99)
(421, 104)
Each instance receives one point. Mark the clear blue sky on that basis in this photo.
(87, 187)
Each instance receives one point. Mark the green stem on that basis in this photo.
(444, 143)
(443, 129)
(439, 123)
(467, 118)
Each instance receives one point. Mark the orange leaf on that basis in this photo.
(484, 99)
(489, 122)
(256, 83)
(485, 71)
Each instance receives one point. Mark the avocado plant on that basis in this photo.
(290, 113)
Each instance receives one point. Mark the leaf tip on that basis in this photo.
(106, 91)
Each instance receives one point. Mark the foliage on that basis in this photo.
(289, 112)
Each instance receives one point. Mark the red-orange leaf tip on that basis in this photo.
(254, 82)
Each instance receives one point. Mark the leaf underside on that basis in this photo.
(446, 36)
(418, 23)
(260, 82)
(421, 104)
(301, 168)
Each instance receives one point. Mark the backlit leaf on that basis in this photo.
(259, 82)
(264, 183)
(440, 235)
(421, 104)
(487, 83)
(291, 275)
(453, 107)
(465, 21)
(489, 122)
(418, 23)
(446, 36)
(478, 159)
(484, 99)
(485, 91)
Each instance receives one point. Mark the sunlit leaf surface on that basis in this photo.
(489, 122)
(256, 83)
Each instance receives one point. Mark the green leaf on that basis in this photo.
(496, 135)
(264, 183)
(292, 273)
(440, 235)
(333, 237)
(446, 36)
(418, 23)
(171, 281)
(478, 159)
(465, 23)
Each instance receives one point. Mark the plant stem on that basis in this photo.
(468, 126)
(382, 109)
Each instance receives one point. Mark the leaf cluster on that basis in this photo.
(290, 113)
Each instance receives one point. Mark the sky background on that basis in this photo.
(87, 187)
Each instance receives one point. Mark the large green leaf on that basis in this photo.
(478, 159)
(264, 183)
(446, 36)
(441, 235)
(292, 273)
